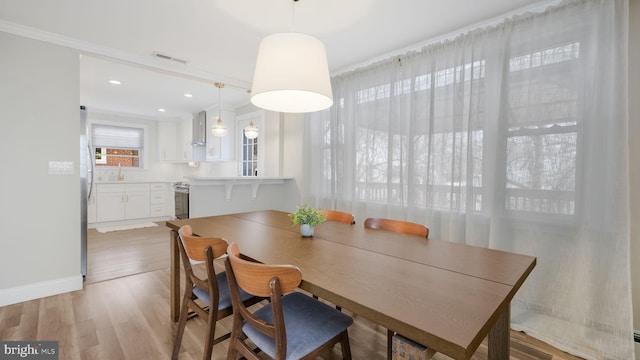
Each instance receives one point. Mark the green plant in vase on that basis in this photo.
(307, 217)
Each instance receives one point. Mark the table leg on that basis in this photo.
(175, 276)
(500, 337)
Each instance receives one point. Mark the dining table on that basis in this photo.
(446, 296)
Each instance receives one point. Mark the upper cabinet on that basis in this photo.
(168, 141)
(221, 148)
(187, 151)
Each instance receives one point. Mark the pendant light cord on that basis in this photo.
(293, 15)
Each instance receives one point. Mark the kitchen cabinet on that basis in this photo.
(159, 200)
(185, 147)
(188, 151)
(221, 148)
(117, 202)
(168, 141)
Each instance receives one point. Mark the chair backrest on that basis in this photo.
(256, 278)
(194, 246)
(261, 280)
(339, 216)
(399, 226)
(195, 250)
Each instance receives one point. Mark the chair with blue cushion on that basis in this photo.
(208, 298)
(398, 226)
(292, 326)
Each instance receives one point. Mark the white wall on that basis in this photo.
(40, 213)
(293, 150)
(634, 156)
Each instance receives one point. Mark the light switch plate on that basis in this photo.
(60, 167)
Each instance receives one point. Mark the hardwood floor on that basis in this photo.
(116, 254)
(128, 317)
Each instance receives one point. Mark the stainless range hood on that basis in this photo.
(199, 137)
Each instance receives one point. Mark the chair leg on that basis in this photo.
(209, 339)
(389, 344)
(182, 322)
(346, 349)
(236, 334)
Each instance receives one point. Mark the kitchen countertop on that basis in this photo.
(235, 178)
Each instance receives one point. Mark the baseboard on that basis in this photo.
(39, 290)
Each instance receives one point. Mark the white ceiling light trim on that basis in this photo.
(291, 74)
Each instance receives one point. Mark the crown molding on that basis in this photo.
(109, 53)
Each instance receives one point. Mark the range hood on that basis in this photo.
(199, 137)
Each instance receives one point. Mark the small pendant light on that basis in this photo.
(218, 129)
(251, 131)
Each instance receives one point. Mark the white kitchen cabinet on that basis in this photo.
(189, 152)
(136, 198)
(221, 148)
(168, 135)
(159, 200)
(117, 202)
(185, 147)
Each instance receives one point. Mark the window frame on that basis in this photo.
(243, 121)
(144, 151)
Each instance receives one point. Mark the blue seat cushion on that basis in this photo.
(223, 293)
(309, 324)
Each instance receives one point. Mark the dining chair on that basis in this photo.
(399, 226)
(339, 216)
(207, 298)
(292, 325)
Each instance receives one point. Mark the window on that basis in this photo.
(118, 145)
(251, 151)
(249, 156)
(542, 131)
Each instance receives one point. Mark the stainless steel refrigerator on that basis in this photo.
(86, 184)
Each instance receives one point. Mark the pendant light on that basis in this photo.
(218, 129)
(291, 74)
(251, 131)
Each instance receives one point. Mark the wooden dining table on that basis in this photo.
(446, 296)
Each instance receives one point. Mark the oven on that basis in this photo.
(181, 191)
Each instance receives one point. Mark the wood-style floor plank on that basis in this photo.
(128, 317)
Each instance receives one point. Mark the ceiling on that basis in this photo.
(212, 41)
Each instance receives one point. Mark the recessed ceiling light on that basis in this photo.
(188, 95)
(115, 82)
(161, 110)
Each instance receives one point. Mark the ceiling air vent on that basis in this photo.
(170, 58)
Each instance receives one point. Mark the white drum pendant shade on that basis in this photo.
(291, 74)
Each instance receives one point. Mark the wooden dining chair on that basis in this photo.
(399, 226)
(339, 216)
(292, 326)
(208, 298)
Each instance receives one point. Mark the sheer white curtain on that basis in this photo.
(511, 137)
